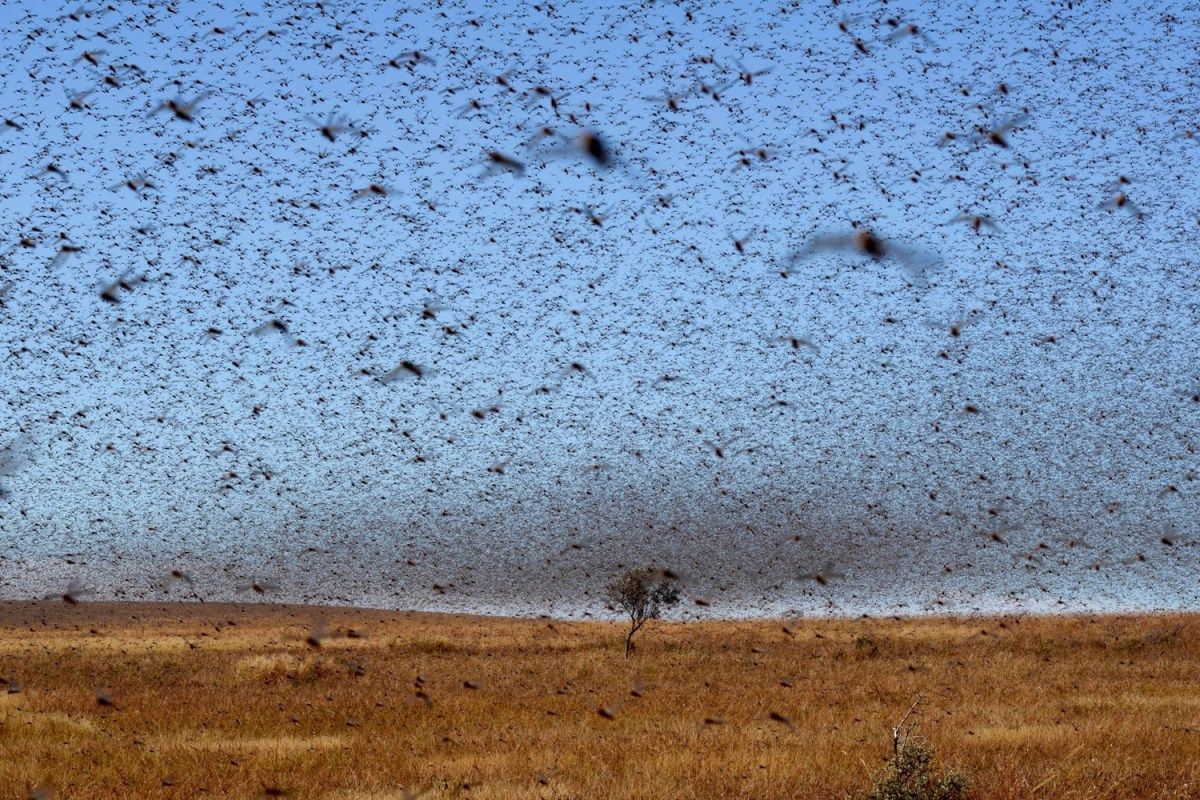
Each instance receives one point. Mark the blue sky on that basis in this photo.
(1059, 419)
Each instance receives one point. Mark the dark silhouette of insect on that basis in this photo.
(91, 56)
(746, 158)
(1121, 200)
(402, 369)
(747, 76)
(110, 293)
(594, 148)
(333, 126)
(976, 221)
(498, 161)
(775, 716)
(376, 189)
(184, 110)
(410, 60)
(998, 136)
(903, 31)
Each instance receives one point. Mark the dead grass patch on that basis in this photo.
(224, 700)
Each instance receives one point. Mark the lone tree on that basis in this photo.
(641, 598)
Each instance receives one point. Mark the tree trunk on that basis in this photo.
(634, 626)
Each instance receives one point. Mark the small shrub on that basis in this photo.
(909, 775)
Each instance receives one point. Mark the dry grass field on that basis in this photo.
(131, 700)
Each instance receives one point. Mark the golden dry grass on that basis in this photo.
(228, 701)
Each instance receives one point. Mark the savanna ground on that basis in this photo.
(229, 701)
